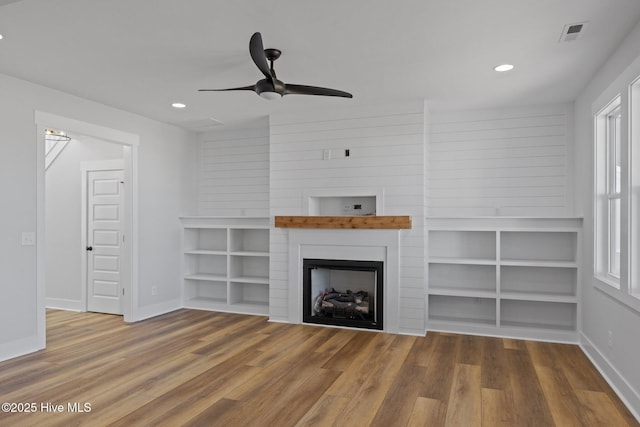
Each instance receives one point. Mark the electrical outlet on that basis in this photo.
(610, 339)
(154, 290)
(28, 238)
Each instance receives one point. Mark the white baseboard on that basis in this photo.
(149, 311)
(412, 333)
(21, 347)
(64, 304)
(409, 331)
(629, 396)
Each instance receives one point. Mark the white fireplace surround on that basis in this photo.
(340, 244)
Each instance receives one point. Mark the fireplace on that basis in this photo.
(343, 292)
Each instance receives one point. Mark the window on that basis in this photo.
(608, 156)
(617, 195)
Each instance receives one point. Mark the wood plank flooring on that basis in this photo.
(199, 368)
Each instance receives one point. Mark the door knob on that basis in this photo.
(89, 248)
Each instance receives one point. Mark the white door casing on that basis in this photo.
(104, 213)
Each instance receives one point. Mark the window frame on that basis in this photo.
(633, 212)
(613, 143)
(626, 288)
(605, 185)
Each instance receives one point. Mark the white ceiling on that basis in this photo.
(141, 55)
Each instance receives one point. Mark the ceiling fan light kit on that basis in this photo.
(270, 96)
(270, 87)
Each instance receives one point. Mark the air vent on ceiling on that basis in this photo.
(572, 32)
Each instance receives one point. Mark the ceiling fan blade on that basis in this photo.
(256, 49)
(314, 90)
(252, 88)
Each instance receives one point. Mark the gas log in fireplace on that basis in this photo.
(343, 292)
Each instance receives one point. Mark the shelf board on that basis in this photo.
(533, 296)
(250, 253)
(252, 303)
(250, 307)
(533, 325)
(505, 223)
(461, 292)
(205, 303)
(243, 222)
(206, 277)
(471, 261)
(250, 279)
(205, 252)
(538, 263)
(463, 321)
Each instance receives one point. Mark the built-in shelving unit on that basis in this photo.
(514, 277)
(226, 264)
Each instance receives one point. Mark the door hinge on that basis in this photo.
(122, 291)
(123, 238)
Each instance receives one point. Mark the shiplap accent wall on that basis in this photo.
(501, 162)
(386, 152)
(233, 170)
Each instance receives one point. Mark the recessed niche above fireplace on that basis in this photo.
(350, 202)
(343, 293)
(343, 205)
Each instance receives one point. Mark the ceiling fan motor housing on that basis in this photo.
(265, 85)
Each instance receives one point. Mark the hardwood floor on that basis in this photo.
(200, 368)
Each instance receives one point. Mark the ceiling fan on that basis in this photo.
(270, 87)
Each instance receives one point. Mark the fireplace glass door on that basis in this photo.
(343, 292)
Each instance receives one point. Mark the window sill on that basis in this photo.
(607, 282)
(607, 287)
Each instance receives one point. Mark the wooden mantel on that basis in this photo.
(360, 222)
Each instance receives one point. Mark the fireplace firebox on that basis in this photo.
(343, 292)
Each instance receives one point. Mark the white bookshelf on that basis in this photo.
(226, 264)
(505, 276)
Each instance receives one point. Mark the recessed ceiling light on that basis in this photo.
(178, 105)
(504, 67)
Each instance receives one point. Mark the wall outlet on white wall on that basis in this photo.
(154, 290)
(28, 238)
(610, 339)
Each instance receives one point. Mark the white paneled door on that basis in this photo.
(104, 240)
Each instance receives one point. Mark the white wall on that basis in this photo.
(386, 146)
(63, 217)
(166, 186)
(601, 313)
(167, 190)
(233, 170)
(512, 162)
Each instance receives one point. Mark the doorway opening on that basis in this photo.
(84, 208)
(122, 149)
